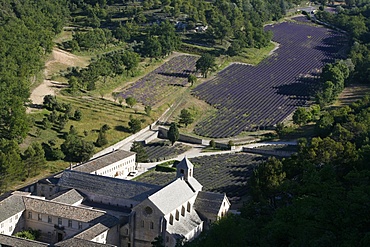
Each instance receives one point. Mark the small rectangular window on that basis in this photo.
(2, 225)
(30, 215)
(142, 223)
(79, 225)
(10, 228)
(69, 223)
(151, 225)
(11, 219)
(50, 220)
(60, 221)
(39, 217)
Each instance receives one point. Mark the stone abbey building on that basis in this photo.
(89, 208)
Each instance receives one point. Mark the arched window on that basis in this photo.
(171, 219)
(177, 215)
(183, 211)
(189, 207)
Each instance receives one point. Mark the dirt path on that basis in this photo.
(59, 59)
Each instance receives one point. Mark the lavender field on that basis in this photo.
(154, 87)
(222, 173)
(258, 97)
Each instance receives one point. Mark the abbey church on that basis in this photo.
(77, 208)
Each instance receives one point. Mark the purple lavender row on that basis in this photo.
(250, 97)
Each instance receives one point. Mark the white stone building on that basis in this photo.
(86, 209)
(117, 164)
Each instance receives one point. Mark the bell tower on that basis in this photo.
(184, 169)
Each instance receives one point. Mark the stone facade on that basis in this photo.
(77, 208)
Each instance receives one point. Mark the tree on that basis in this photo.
(11, 166)
(50, 102)
(73, 85)
(122, 33)
(167, 37)
(158, 242)
(77, 115)
(267, 178)
(230, 144)
(148, 110)
(173, 133)
(29, 234)
(134, 124)
(222, 29)
(130, 60)
(205, 63)
(152, 47)
(212, 144)
(34, 157)
(102, 138)
(77, 149)
(138, 148)
(301, 116)
(186, 117)
(130, 101)
(192, 79)
(105, 127)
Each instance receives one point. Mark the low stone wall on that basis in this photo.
(267, 152)
(184, 138)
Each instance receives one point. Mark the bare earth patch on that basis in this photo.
(59, 60)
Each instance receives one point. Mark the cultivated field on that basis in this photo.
(224, 173)
(163, 81)
(157, 151)
(258, 97)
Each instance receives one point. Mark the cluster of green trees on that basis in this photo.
(160, 41)
(27, 29)
(334, 77)
(354, 19)
(91, 39)
(108, 65)
(240, 22)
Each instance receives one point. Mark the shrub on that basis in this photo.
(163, 168)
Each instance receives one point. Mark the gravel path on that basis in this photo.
(49, 87)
